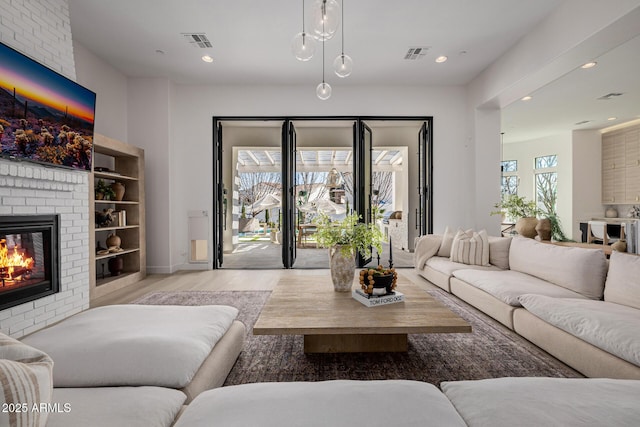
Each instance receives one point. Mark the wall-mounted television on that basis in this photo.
(44, 116)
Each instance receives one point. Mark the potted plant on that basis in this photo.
(521, 211)
(103, 191)
(345, 238)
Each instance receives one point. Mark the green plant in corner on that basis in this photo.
(515, 207)
(353, 235)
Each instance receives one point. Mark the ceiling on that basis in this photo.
(252, 38)
(251, 45)
(566, 103)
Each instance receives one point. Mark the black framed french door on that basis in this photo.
(363, 137)
(424, 217)
(218, 209)
(362, 147)
(288, 194)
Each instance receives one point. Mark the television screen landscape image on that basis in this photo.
(44, 116)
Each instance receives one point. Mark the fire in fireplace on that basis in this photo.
(29, 264)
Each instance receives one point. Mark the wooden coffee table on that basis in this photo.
(333, 322)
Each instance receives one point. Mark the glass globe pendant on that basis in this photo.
(303, 46)
(323, 91)
(343, 65)
(326, 18)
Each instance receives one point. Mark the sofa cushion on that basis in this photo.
(606, 325)
(446, 266)
(508, 285)
(578, 269)
(25, 376)
(623, 280)
(115, 406)
(535, 402)
(325, 403)
(470, 248)
(133, 345)
(499, 251)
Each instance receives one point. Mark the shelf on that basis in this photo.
(114, 254)
(114, 176)
(116, 228)
(117, 202)
(125, 164)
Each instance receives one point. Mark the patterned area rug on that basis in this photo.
(491, 351)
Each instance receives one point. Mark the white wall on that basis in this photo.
(192, 108)
(149, 127)
(525, 153)
(110, 86)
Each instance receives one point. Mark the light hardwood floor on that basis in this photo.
(221, 280)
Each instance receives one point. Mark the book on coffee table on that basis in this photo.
(373, 301)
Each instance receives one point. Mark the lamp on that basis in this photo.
(324, 89)
(304, 45)
(343, 65)
(326, 17)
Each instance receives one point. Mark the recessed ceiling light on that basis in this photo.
(441, 59)
(207, 58)
(612, 119)
(526, 98)
(589, 65)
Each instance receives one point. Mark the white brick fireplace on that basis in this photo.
(30, 189)
(41, 29)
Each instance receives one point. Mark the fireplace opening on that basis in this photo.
(29, 258)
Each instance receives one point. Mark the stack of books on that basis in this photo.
(373, 300)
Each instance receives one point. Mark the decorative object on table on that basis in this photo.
(523, 212)
(118, 191)
(103, 191)
(104, 218)
(634, 212)
(543, 229)
(374, 301)
(379, 281)
(116, 266)
(344, 238)
(611, 212)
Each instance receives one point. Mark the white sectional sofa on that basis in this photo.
(504, 402)
(569, 301)
(136, 365)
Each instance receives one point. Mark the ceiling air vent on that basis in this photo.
(415, 53)
(609, 96)
(197, 40)
(584, 122)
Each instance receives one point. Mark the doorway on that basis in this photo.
(272, 180)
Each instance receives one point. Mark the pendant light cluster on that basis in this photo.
(327, 16)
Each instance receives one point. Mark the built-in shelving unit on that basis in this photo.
(116, 161)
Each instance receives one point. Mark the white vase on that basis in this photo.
(343, 269)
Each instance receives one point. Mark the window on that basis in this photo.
(546, 181)
(509, 184)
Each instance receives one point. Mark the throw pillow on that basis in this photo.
(499, 251)
(26, 378)
(447, 240)
(470, 248)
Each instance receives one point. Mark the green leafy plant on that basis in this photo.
(353, 235)
(516, 207)
(243, 212)
(105, 190)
